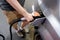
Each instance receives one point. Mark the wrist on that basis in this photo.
(26, 14)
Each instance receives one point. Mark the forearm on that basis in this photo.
(15, 4)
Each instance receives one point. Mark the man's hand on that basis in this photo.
(29, 17)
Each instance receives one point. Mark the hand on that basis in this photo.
(29, 17)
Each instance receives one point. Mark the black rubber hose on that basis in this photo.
(15, 21)
(11, 24)
(2, 36)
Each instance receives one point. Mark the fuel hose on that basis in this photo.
(2, 36)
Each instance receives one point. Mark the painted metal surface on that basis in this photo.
(50, 9)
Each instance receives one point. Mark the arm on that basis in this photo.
(15, 4)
